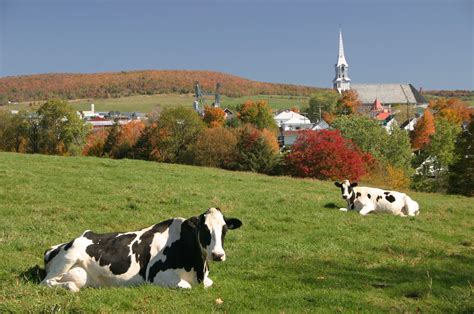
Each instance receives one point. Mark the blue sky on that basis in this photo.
(426, 43)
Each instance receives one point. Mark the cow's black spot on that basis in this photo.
(358, 194)
(352, 198)
(386, 193)
(378, 198)
(111, 249)
(368, 195)
(53, 253)
(68, 246)
(186, 252)
(390, 198)
(224, 231)
(142, 248)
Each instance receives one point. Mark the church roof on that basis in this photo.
(377, 106)
(388, 93)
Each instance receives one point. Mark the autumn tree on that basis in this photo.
(452, 109)
(255, 151)
(95, 142)
(215, 148)
(423, 131)
(325, 155)
(461, 171)
(324, 103)
(348, 103)
(13, 131)
(214, 117)
(258, 114)
(177, 129)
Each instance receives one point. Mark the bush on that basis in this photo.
(326, 155)
(215, 148)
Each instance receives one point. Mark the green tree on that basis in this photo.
(59, 128)
(397, 149)
(370, 137)
(177, 129)
(442, 143)
(322, 102)
(461, 172)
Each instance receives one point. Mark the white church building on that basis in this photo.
(387, 94)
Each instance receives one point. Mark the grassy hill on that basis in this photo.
(295, 252)
(119, 84)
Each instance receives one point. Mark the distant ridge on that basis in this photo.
(127, 83)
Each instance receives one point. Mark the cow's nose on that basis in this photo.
(217, 256)
(344, 197)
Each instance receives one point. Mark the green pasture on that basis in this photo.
(150, 103)
(296, 252)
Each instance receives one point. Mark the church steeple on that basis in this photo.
(341, 81)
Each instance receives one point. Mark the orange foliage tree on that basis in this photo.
(95, 142)
(214, 117)
(215, 148)
(349, 102)
(258, 114)
(452, 109)
(425, 127)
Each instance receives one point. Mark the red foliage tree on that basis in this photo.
(326, 155)
(423, 131)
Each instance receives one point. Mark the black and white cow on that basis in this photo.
(366, 200)
(174, 253)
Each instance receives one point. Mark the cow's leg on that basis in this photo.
(207, 281)
(75, 279)
(172, 279)
(412, 207)
(366, 209)
(57, 267)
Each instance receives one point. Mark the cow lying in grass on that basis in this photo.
(173, 253)
(366, 200)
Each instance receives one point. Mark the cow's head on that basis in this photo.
(346, 188)
(212, 229)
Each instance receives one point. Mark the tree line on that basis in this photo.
(356, 147)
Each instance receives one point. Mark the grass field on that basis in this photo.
(149, 103)
(294, 253)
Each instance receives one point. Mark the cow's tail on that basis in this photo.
(412, 208)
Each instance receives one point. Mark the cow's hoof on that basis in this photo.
(208, 282)
(343, 209)
(71, 286)
(184, 285)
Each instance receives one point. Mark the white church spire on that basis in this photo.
(341, 81)
(341, 59)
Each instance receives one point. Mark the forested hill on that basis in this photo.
(126, 83)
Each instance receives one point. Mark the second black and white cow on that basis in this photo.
(366, 200)
(174, 253)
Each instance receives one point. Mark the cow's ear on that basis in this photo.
(195, 220)
(354, 184)
(337, 184)
(233, 223)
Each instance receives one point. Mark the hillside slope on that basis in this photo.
(295, 252)
(117, 84)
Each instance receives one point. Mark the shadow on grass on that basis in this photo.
(330, 205)
(33, 274)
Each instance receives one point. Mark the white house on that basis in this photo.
(289, 120)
